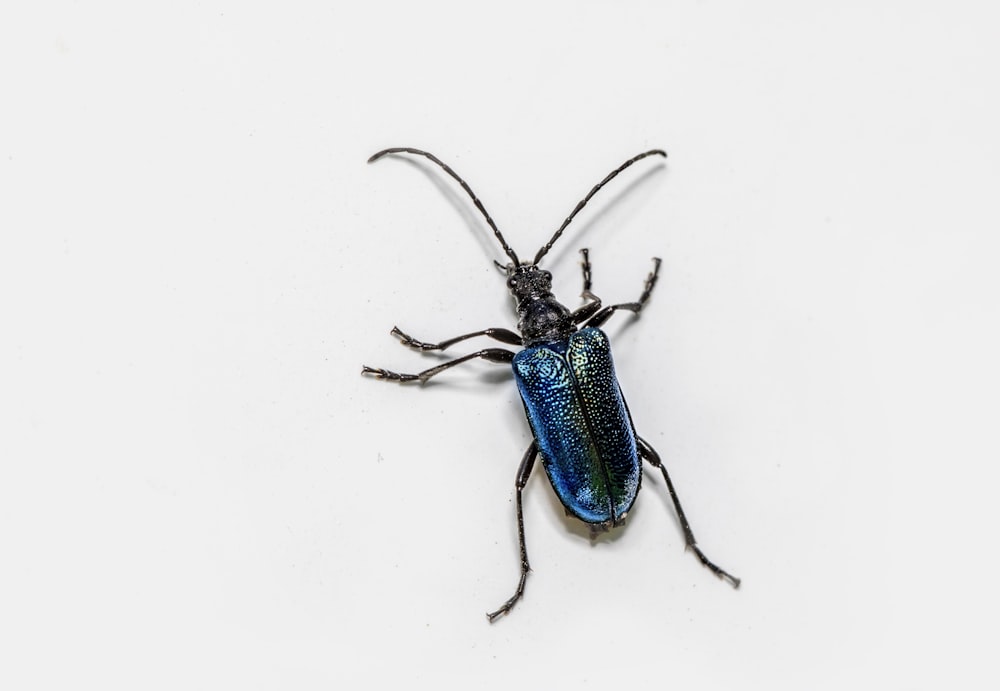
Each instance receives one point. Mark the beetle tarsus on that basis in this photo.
(585, 265)
(411, 342)
(705, 561)
(509, 605)
(388, 375)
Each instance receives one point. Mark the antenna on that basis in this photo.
(475, 200)
(583, 202)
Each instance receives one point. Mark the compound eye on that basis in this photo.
(547, 275)
(511, 282)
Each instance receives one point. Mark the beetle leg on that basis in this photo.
(647, 452)
(586, 294)
(523, 472)
(491, 354)
(593, 305)
(634, 307)
(502, 335)
(586, 312)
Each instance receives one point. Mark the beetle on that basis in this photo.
(580, 423)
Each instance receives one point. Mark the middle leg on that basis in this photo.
(491, 354)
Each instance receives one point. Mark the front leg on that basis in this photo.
(634, 307)
(591, 308)
(585, 265)
(502, 335)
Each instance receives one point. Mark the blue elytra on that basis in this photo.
(582, 426)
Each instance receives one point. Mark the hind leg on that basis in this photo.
(647, 452)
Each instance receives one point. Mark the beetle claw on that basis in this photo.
(409, 341)
(380, 373)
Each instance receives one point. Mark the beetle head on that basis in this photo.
(541, 318)
(528, 282)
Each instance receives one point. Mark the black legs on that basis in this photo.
(523, 472)
(502, 335)
(490, 354)
(596, 315)
(647, 452)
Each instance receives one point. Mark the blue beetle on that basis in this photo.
(565, 374)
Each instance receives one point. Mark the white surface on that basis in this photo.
(198, 490)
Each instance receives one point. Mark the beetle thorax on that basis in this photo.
(543, 319)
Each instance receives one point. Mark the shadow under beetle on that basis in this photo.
(581, 424)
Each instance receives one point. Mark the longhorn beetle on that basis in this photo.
(580, 422)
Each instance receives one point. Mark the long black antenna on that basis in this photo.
(465, 186)
(583, 202)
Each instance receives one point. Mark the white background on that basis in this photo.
(198, 490)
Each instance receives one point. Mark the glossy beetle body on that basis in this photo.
(580, 423)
